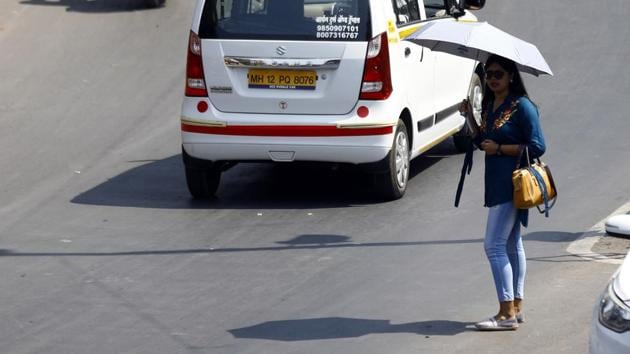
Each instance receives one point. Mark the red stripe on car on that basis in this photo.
(285, 130)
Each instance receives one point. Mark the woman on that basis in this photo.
(510, 123)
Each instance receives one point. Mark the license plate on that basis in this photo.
(282, 79)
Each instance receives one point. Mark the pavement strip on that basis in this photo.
(595, 245)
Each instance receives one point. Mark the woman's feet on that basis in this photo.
(518, 307)
(507, 319)
(494, 324)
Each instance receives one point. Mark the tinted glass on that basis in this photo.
(346, 20)
(407, 11)
(435, 8)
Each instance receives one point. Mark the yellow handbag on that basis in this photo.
(533, 185)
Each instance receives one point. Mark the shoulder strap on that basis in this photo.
(543, 189)
(522, 148)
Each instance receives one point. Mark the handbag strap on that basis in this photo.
(521, 149)
(524, 149)
(551, 181)
(543, 189)
(546, 210)
(552, 185)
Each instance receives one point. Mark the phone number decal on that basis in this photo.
(337, 35)
(337, 28)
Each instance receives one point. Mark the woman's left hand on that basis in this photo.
(489, 146)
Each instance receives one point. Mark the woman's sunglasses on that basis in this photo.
(498, 74)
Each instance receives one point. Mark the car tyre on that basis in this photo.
(202, 176)
(392, 184)
(202, 183)
(462, 139)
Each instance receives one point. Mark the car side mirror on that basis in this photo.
(473, 4)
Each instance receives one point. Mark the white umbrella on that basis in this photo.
(477, 40)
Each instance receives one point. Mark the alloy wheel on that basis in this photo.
(402, 159)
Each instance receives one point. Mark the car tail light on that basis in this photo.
(195, 81)
(377, 81)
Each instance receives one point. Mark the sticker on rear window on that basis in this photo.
(338, 27)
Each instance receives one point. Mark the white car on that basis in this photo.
(610, 327)
(321, 80)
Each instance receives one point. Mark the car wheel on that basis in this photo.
(393, 183)
(202, 184)
(202, 176)
(475, 97)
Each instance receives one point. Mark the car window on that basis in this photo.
(435, 8)
(406, 11)
(345, 20)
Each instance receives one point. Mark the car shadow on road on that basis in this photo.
(300, 242)
(341, 327)
(161, 184)
(95, 6)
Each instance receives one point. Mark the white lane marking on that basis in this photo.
(583, 245)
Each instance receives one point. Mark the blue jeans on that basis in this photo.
(504, 248)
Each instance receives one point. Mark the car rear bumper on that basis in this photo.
(355, 150)
(220, 136)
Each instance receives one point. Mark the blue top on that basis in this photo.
(516, 121)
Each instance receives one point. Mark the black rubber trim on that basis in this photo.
(441, 115)
(425, 123)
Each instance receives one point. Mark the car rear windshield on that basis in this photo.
(317, 20)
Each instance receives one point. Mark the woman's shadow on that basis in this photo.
(342, 327)
(99, 5)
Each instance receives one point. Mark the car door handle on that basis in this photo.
(407, 52)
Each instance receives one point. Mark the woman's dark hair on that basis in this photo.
(517, 87)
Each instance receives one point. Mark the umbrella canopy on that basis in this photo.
(478, 40)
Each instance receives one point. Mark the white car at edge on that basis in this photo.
(610, 326)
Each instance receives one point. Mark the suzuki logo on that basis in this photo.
(283, 105)
(281, 50)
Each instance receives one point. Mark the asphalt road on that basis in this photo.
(103, 251)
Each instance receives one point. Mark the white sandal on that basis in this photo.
(491, 324)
